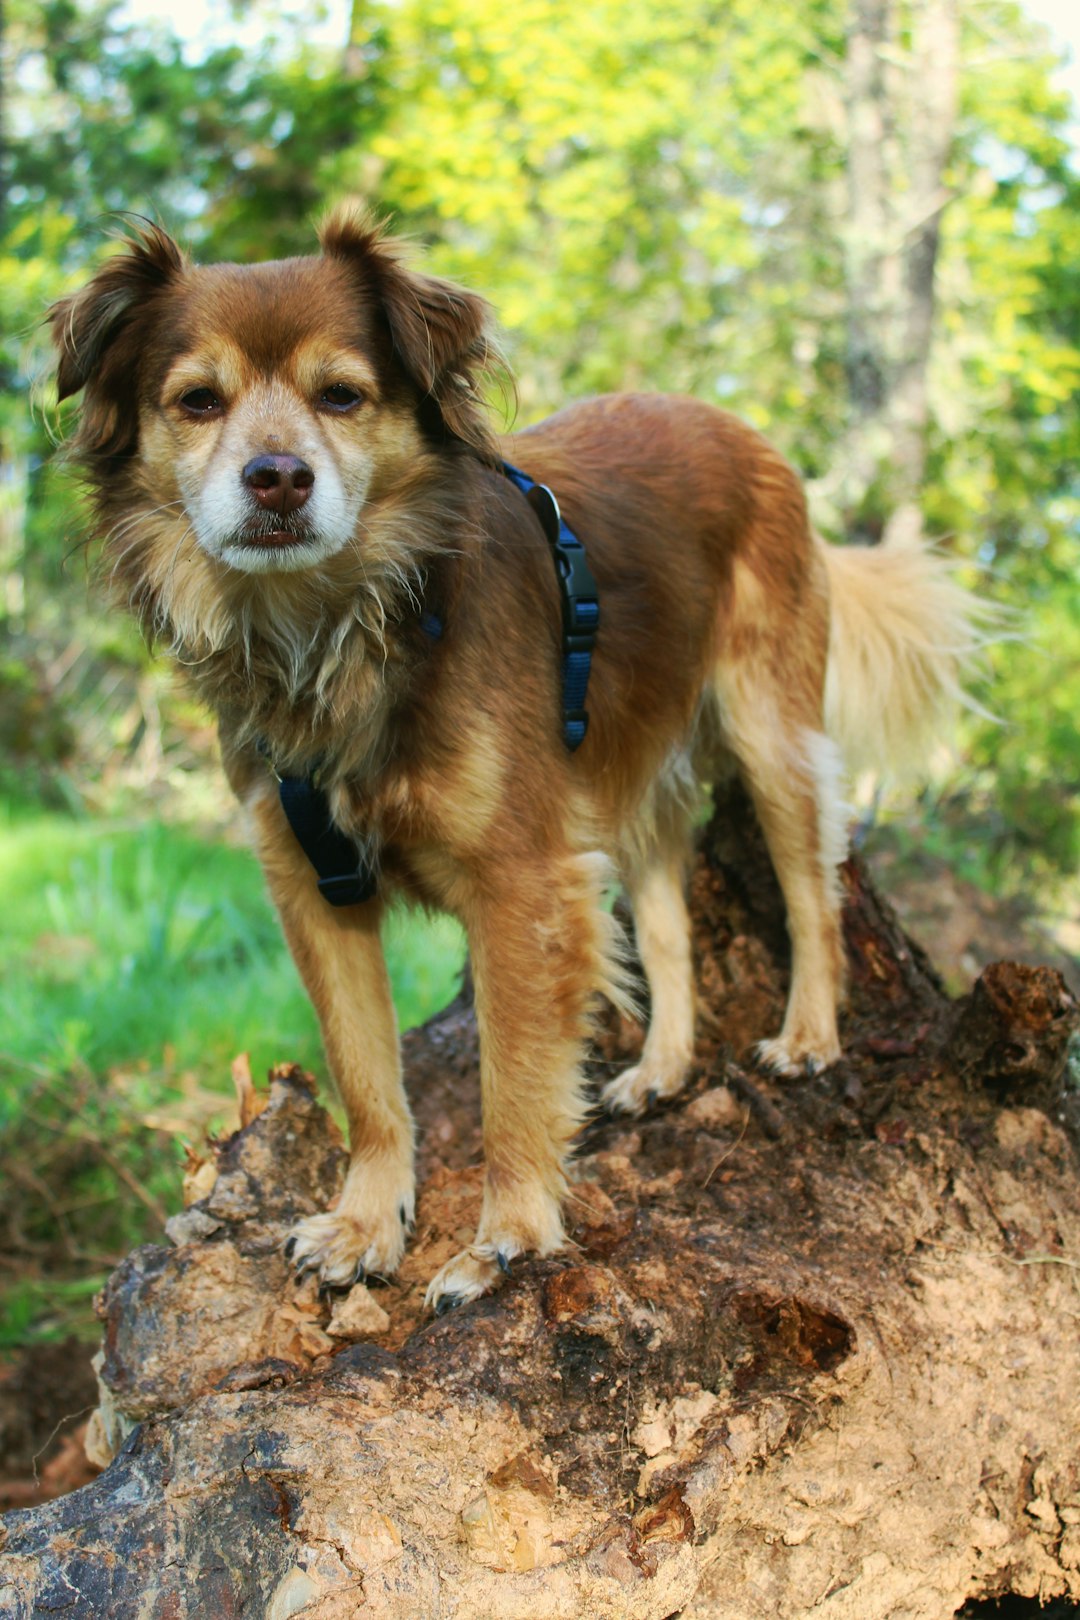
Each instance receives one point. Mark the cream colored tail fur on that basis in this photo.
(902, 632)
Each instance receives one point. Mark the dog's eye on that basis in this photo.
(200, 401)
(339, 397)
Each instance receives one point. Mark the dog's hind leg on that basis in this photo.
(339, 956)
(655, 885)
(792, 771)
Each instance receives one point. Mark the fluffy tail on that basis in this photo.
(902, 635)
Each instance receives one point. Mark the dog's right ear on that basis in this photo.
(97, 333)
(442, 334)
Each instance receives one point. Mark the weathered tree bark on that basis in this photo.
(815, 1350)
(901, 90)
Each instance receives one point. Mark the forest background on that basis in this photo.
(855, 223)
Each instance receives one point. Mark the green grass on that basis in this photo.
(135, 963)
(123, 943)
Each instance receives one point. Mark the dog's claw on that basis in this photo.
(290, 1247)
(359, 1274)
(652, 1097)
(503, 1261)
(448, 1302)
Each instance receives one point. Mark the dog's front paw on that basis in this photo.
(470, 1274)
(793, 1059)
(639, 1088)
(518, 1218)
(343, 1248)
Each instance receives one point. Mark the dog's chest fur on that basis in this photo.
(418, 794)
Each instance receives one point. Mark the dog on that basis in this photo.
(300, 494)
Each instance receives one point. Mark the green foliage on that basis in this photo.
(40, 1308)
(615, 177)
(1029, 767)
(35, 736)
(237, 144)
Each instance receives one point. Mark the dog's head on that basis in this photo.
(267, 406)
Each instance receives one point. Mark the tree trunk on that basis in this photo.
(814, 1349)
(869, 297)
(354, 58)
(902, 80)
(935, 77)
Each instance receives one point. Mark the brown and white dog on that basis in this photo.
(290, 462)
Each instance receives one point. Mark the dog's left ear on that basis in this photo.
(443, 335)
(99, 334)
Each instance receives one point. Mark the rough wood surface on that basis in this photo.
(815, 1351)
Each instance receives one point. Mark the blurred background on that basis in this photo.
(853, 222)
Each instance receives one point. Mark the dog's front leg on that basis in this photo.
(340, 959)
(540, 946)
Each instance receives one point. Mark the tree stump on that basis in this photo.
(814, 1350)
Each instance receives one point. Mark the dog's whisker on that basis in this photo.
(138, 519)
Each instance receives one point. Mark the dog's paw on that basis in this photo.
(469, 1275)
(646, 1084)
(343, 1249)
(792, 1060)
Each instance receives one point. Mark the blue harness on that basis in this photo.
(346, 878)
(580, 603)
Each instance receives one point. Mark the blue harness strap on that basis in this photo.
(580, 602)
(347, 878)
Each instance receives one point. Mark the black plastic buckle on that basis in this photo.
(579, 586)
(581, 615)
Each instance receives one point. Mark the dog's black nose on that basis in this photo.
(280, 483)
